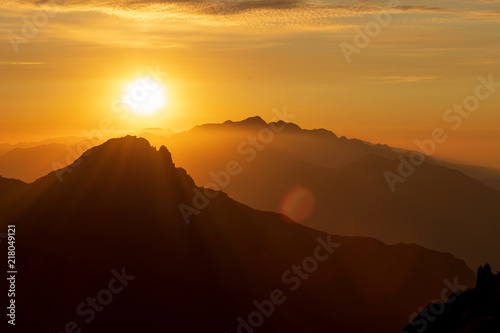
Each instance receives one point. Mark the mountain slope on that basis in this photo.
(118, 209)
(435, 207)
(475, 311)
(286, 142)
(10, 191)
(493, 183)
(489, 176)
(293, 164)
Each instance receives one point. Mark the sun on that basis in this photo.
(145, 97)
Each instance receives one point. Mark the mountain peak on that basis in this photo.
(166, 155)
(133, 140)
(136, 144)
(129, 155)
(250, 121)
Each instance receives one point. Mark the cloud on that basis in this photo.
(302, 13)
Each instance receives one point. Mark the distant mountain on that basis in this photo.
(488, 176)
(475, 311)
(29, 161)
(306, 174)
(4, 147)
(108, 250)
(319, 147)
(327, 149)
(343, 182)
(436, 207)
(29, 164)
(62, 140)
(341, 151)
(156, 136)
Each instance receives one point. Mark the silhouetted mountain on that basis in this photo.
(217, 144)
(474, 311)
(10, 190)
(488, 176)
(29, 161)
(351, 202)
(8, 185)
(117, 208)
(435, 207)
(249, 122)
(332, 151)
(493, 183)
(346, 181)
(318, 146)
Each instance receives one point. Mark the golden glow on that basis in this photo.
(145, 97)
(274, 55)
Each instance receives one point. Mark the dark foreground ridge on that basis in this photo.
(474, 311)
(107, 250)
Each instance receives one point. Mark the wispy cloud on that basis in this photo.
(264, 12)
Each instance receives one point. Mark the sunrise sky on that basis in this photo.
(235, 59)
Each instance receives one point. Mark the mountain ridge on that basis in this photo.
(489, 176)
(119, 207)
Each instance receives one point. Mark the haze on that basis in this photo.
(246, 58)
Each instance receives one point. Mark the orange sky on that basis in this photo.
(234, 59)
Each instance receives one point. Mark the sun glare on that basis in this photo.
(145, 97)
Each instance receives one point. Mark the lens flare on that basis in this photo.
(298, 203)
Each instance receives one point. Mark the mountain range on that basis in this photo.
(339, 185)
(323, 181)
(114, 231)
